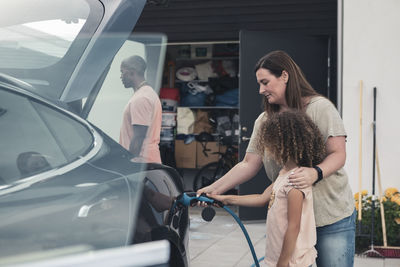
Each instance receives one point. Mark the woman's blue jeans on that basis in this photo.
(336, 243)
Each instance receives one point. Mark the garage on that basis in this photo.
(238, 33)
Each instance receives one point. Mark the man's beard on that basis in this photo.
(128, 84)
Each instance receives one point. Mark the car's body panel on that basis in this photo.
(100, 199)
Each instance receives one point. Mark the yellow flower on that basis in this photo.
(390, 192)
(397, 220)
(396, 200)
(394, 197)
(384, 199)
(363, 193)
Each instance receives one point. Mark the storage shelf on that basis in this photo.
(210, 58)
(195, 81)
(210, 107)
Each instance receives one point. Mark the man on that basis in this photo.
(141, 123)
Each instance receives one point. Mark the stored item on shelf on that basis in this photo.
(228, 98)
(168, 119)
(201, 51)
(205, 70)
(226, 50)
(203, 138)
(185, 119)
(169, 105)
(171, 74)
(230, 67)
(169, 93)
(186, 74)
(169, 99)
(167, 134)
(202, 123)
(224, 126)
(225, 68)
(185, 154)
(189, 100)
(195, 88)
(194, 94)
(184, 51)
(222, 84)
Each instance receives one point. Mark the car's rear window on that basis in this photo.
(36, 138)
(44, 36)
(42, 41)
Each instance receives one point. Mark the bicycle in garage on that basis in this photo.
(212, 171)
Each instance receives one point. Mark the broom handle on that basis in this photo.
(360, 155)
(378, 169)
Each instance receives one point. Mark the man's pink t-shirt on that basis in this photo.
(277, 223)
(144, 108)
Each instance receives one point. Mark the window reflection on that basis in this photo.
(31, 163)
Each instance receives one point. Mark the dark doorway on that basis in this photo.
(310, 53)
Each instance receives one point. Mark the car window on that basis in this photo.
(38, 44)
(73, 138)
(36, 138)
(109, 104)
(41, 41)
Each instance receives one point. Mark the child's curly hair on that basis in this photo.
(292, 135)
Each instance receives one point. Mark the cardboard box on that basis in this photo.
(202, 159)
(185, 155)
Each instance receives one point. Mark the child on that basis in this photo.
(292, 140)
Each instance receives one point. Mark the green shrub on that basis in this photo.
(391, 205)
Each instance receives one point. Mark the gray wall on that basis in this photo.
(204, 20)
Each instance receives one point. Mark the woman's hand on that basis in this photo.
(303, 177)
(206, 190)
(222, 198)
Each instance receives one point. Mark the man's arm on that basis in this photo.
(295, 205)
(139, 134)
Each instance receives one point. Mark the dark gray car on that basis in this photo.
(64, 180)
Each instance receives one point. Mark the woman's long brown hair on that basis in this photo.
(297, 86)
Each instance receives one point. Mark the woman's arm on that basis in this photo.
(255, 200)
(295, 205)
(239, 174)
(336, 157)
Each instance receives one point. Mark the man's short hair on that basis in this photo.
(136, 63)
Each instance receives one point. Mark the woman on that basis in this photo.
(284, 86)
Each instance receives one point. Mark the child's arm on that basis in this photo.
(256, 200)
(295, 205)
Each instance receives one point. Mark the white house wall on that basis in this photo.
(371, 53)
